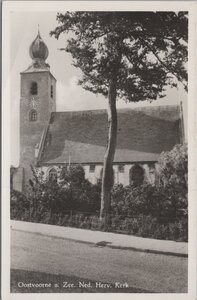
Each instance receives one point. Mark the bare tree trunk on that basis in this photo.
(107, 180)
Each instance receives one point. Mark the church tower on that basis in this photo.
(38, 100)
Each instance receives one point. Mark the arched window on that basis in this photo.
(33, 115)
(136, 175)
(101, 175)
(34, 88)
(53, 175)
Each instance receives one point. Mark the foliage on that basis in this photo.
(157, 211)
(85, 195)
(148, 226)
(74, 174)
(173, 170)
(158, 201)
(127, 55)
(19, 205)
(150, 49)
(167, 199)
(173, 166)
(142, 225)
(47, 198)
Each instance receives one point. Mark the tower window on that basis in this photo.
(33, 115)
(51, 91)
(53, 175)
(34, 88)
(92, 168)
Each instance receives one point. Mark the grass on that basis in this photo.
(56, 284)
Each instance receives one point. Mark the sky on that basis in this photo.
(70, 96)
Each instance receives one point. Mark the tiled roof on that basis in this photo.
(143, 133)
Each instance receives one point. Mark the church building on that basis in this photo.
(50, 140)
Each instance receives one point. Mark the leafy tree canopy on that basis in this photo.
(173, 166)
(148, 48)
(127, 55)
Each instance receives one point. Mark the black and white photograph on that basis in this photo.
(99, 130)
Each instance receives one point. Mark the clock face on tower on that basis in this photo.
(33, 103)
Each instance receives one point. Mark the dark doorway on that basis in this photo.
(136, 175)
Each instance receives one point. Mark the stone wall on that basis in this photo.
(18, 179)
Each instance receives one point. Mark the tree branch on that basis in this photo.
(144, 43)
(94, 79)
(97, 37)
(139, 61)
(156, 55)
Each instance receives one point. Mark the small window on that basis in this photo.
(34, 88)
(92, 168)
(33, 116)
(51, 91)
(53, 175)
(121, 168)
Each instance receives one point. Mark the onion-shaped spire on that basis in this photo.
(38, 49)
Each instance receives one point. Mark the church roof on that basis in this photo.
(81, 136)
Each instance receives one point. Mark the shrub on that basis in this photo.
(156, 211)
(19, 205)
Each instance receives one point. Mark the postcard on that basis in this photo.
(98, 131)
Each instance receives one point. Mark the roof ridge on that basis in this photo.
(118, 109)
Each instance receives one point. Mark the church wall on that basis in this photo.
(17, 180)
(150, 174)
(123, 178)
(126, 174)
(93, 177)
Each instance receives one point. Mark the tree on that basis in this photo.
(173, 172)
(127, 55)
(74, 174)
(71, 192)
(83, 193)
(173, 166)
(166, 199)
